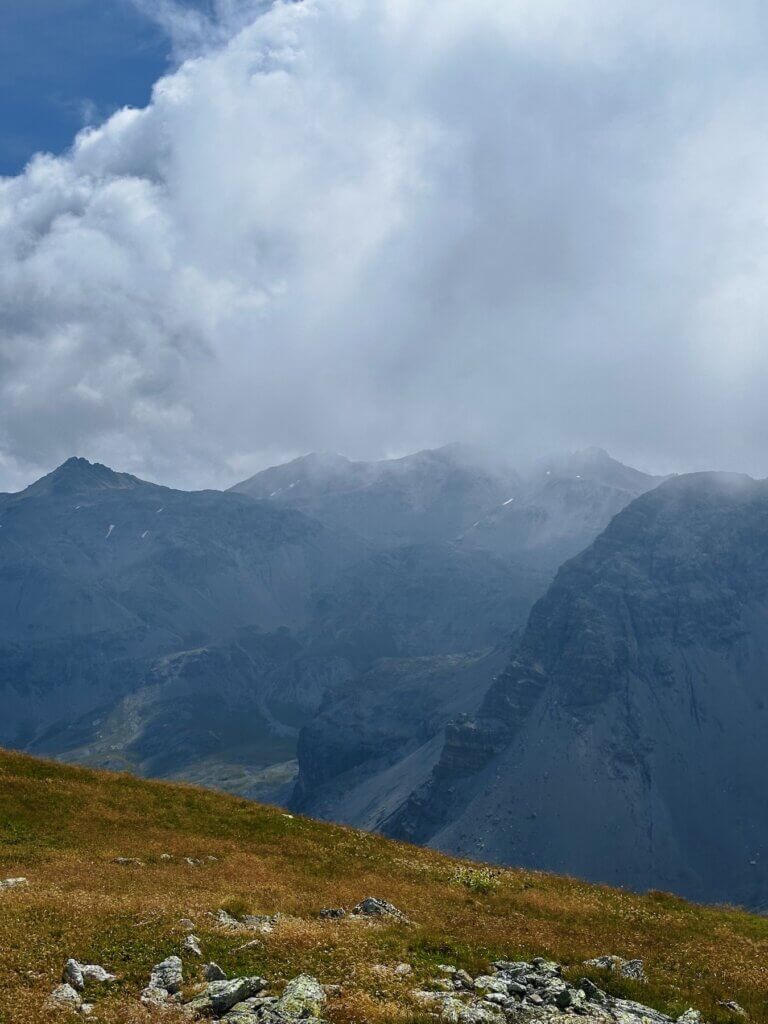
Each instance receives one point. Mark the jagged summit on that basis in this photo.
(78, 475)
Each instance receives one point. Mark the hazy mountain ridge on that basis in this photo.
(193, 634)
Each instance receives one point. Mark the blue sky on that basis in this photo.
(60, 60)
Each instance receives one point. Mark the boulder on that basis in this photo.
(219, 997)
(373, 907)
(304, 996)
(76, 974)
(167, 975)
(212, 972)
(65, 996)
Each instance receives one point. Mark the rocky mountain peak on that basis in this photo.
(78, 475)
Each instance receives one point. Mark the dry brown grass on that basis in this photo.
(61, 827)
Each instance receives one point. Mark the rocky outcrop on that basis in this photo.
(519, 991)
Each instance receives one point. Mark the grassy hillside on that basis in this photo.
(62, 827)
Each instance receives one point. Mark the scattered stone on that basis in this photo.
(129, 862)
(187, 924)
(733, 1006)
(220, 996)
(633, 969)
(373, 907)
(212, 972)
(13, 883)
(167, 975)
(403, 970)
(152, 996)
(226, 920)
(487, 983)
(332, 913)
(73, 975)
(76, 974)
(166, 856)
(304, 996)
(689, 1017)
(264, 923)
(605, 963)
(192, 945)
(65, 996)
(86, 1009)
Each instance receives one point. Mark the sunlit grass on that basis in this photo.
(62, 827)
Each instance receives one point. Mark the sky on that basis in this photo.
(234, 231)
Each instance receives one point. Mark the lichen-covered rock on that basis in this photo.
(76, 974)
(191, 945)
(220, 996)
(73, 975)
(633, 969)
(371, 906)
(733, 1007)
(65, 996)
(167, 975)
(488, 983)
(304, 996)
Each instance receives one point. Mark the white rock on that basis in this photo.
(192, 945)
(65, 995)
(13, 883)
(167, 975)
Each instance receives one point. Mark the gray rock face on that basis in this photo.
(65, 996)
(76, 974)
(303, 997)
(167, 975)
(625, 742)
(221, 996)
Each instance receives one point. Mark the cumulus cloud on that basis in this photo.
(373, 225)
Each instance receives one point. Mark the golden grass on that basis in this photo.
(62, 827)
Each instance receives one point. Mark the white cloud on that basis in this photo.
(373, 224)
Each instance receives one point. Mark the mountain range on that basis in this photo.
(556, 664)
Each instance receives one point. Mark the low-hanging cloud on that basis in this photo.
(372, 225)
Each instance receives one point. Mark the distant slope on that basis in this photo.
(626, 741)
(62, 828)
